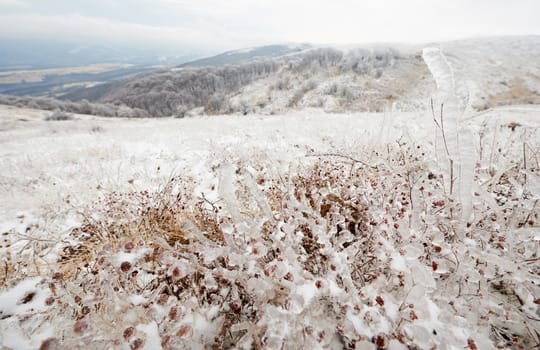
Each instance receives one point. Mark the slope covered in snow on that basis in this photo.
(496, 71)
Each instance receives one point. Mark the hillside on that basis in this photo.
(275, 79)
(220, 89)
(496, 71)
(373, 78)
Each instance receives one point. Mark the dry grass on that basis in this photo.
(516, 93)
(123, 221)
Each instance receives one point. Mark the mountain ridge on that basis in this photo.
(246, 54)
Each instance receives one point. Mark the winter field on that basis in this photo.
(394, 230)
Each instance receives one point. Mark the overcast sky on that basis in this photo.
(227, 24)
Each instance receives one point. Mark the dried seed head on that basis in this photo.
(128, 332)
(173, 313)
(176, 272)
(289, 277)
(235, 307)
(137, 344)
(50, 344)
(80, 326)
(165, 341)
(380, 341)
(183, 331)
(129, 246)
(125, 266)
(471, 344)
(85, 310)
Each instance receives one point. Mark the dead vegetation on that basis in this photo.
(348, 249)
(516, 92)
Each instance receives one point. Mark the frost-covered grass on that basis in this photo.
(312, 240)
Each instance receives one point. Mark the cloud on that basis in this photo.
(353, 21)
(12, 3)
(219, 25)
(78, 28)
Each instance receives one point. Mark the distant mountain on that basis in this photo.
(38, 54)
(245, 55)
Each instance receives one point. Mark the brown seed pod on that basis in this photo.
(125, 266)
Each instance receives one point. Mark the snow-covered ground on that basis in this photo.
(44, 162)
(50, 171)
(305, 229)
(496, 71)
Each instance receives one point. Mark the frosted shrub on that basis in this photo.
(58, 116)
(342, 253)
